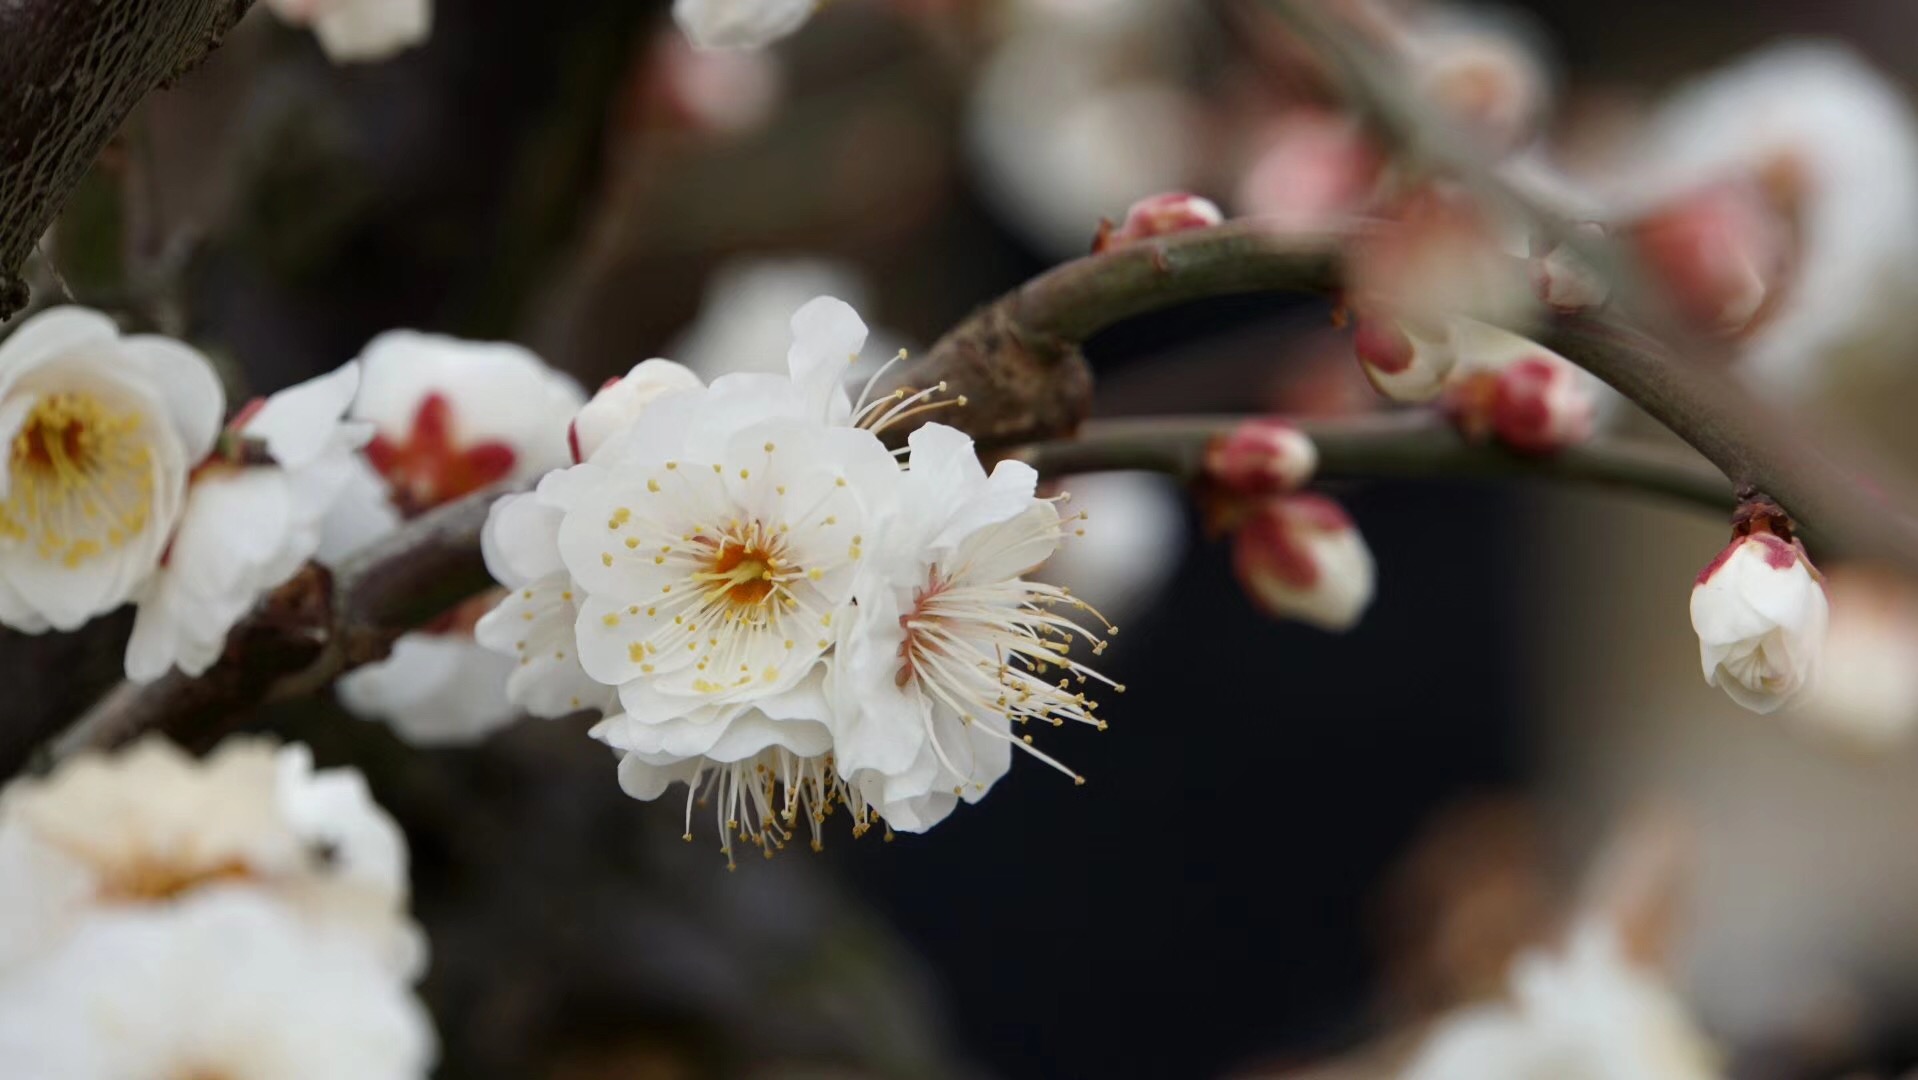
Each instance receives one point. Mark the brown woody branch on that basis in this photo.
(70, 72)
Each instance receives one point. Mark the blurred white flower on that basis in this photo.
(1833, 142)
(1761, 616)
(740, 24)
(450, 417)
(355, 31)
(1722, 255)
(745, 316)
(1443, 257)
(103, 430)
(948, 651)
(728, 92)
(1079, 112)
(149, 826)
(1585, 1015)
(226, 984)
(1477, 69)
(1301, 557)
(618, 403)
(1127, 544)
(247, 528)
(434, 689)
(1867, 693)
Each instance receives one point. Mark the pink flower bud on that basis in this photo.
(621, 400)
(1761, 616)
(1316, 170)
(1158, 215)
(1263, 456)
(1403, 360)
(1526, 396)
(1722, 254)
(1300, 557)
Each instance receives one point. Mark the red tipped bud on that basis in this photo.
(1158, 215)
(1300, 557)
(1264, 456)
(1521, 393)
(1403, 360)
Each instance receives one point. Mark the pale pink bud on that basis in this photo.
(1565, 281)
(1721, 254)
(1761, 617)
(1316, 171)
(1404, 361)
(1158, 215)
(1300, 557)
(620, 402)
(1262, 456)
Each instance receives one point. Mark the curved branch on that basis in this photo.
(1408, 445)
(69, 74)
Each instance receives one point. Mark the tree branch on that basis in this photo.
(1412, 445)
(69, 74)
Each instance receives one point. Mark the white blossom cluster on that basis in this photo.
(769, 608)
(243, 917)
(122, 486)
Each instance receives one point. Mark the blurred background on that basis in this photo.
(1292, 844)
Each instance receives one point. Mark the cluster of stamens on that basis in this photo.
(767, 799)
(81, 479)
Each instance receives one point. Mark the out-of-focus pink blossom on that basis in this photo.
(1158, 215)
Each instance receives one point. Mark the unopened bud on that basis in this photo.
(1438, 256)
(1263, 456)
(1761, 617)
(621, 400)
(1158, 215)
(1526, 396)
(1487, 80)
(1404, 361)
(1722, 254)
(1300, 557)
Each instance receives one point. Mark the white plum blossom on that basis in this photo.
(102, 431)
(949, 652)
(247, 528)
(740, 24)
(1301, 557)
(1833, 145)
(356, 31)
(618, 403)
(1585, 1014)
(1761, 615)
(534, 624)
(149, 826)
(449, 418)
(227, 984)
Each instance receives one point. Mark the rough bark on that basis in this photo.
(70, 72)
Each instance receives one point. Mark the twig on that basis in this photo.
(69, 74)
(1409, 445)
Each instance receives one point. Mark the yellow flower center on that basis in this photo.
(81, 479)
(155, 880)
